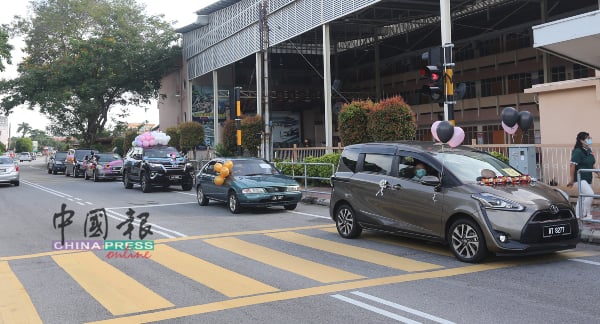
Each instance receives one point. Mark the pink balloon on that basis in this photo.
(434, 130)
(510, 130)
(457, 138)
(152, 142)
(145, 143)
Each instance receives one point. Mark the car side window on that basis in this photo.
(348, 160)
(413, 168)
(377, 163)
(210, 168)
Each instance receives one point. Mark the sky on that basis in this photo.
(182, 12)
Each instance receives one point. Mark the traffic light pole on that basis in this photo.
(238, 120)
(447, 46)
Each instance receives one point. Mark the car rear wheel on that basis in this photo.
(146, 184)
(234, 203)
(75, 172)
(202, 200)
(466, 241)
(290, 207)
(126, 182)
(16, 183)
(187, 185)
(346, 223)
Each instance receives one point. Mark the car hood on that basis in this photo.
(265, 181)
(534, 193)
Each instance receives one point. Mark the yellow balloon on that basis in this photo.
(218, 167)
(228, 164)
(219, 180)
(224, 172)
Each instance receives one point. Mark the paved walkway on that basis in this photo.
(590, 229)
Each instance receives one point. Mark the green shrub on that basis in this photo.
(322, 171)
(352, 120)
(252, 126)
(499, 156)
(222, 151)
(229, 137)
(392, 119)
(286, 168)
(173, 132)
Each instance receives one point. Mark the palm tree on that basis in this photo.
(25, 128)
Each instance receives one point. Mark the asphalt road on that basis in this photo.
(268, 265)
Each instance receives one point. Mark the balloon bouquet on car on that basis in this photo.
(151, 162)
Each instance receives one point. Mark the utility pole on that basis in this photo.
(264, 47)
(447, 46)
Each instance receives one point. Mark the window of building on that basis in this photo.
(518, 40)
(470, 90)
(558, 74)
(491, 87)
(581, 71)
(518, 82)
(489, 47)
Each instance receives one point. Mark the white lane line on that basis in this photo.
(120, 217)
(89, 203)
(157, 205)
(586, 261)
(137, 223)
(376, 309)
(402, 308)
(307, 214)
(115, 214)
(80, 203)
(185, 193)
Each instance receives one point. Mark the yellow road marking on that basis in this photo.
(332, 288)
(15, 304)
(38, 255)
(227, 282)
(117, 292)
(355, 252)
(277, 259)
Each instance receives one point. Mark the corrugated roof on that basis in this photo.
(216, 6)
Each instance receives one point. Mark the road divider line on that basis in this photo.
(355, 252)
(153, 225)
(225, 281)
(311, 215)
(15, 304)
(45, 188)
(302, 267)
(150, 206)
(402, 308)
(375, 309)
(586, 261)
(99, 279)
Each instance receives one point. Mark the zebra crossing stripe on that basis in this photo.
(15, 304)
(284, 261)
(355, 252)
(227, 282)
(116, 291)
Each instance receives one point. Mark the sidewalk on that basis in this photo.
(590, 231)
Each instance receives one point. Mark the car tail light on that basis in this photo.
(17, 168)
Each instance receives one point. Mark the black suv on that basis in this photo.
(157, 166)
(56, 163)
(75, 158)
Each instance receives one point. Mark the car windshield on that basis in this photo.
(252, 167)
(60, 156)
(6, 160)
(80, 154)
(469, 166)
(107, 157)
(161, 152)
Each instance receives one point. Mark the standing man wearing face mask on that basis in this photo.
(582, 157)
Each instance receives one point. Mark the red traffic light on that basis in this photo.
(432, 73)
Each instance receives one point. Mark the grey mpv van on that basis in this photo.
(465, 198)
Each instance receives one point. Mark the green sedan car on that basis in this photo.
(246, 182)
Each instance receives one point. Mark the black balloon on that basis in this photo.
(525, 120)
(445, 131)
(510, 116)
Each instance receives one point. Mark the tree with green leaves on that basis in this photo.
(84, 57)
(23, 145)
(191, 134)
(24, 128)
(5, 48)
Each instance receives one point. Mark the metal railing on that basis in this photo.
(305, 175)
(581, 196)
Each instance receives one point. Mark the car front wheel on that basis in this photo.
(346, 223)
(202, 200)
(290, 207)
(126, 182)
(146, 184)
(466, 241)
(234, 203)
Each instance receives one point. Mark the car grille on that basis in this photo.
(532, 233)
(276, 189)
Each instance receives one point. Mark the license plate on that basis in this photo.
(277, 197)
(557, 230)
(175, 177)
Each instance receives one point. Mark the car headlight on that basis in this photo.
(253, 190)
(293, 188)
(492, 201)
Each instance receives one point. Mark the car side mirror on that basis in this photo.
(430, 181)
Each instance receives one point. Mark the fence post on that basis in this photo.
(294, 153)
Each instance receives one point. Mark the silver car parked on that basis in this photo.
(9, 170)
(465, 198)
